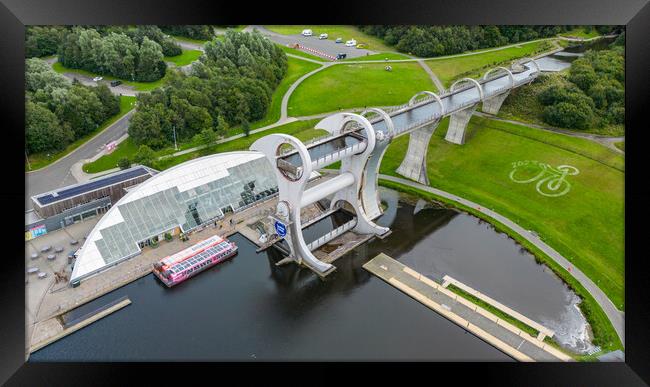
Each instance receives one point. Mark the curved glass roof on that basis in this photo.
(185, 196)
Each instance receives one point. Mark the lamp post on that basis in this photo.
(175, 145)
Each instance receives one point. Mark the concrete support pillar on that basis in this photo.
(458, 123)
(414, 165)
(493, 104)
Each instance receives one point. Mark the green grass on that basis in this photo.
(189, 40)
(620, 145)
(139, 86)
(523, 105)
(380, 56)
(187, 57)
(495, 311)
(303, 130)
(335, 31)
(358, 85)
(581, 33)
(39, 160)
(603, 332)
(585, 226)
(450, 69)
(296, 69)
(126, 148)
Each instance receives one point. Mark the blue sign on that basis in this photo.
(281, 229)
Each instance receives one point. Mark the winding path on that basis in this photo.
(616, 317)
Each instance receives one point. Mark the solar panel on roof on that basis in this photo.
(90, 186)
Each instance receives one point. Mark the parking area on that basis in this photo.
(35, 287)
(88, 81)
(327, 46)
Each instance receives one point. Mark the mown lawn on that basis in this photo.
(296, 69)
(189, 40)
(620, 145)
(139, 86)
(358, 85)
(475, 65)
(581, 33)
(185, 58)
(38, 161)
(585, 225)
(345, 32)
(124, 149)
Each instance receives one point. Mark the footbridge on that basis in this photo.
(359, 141)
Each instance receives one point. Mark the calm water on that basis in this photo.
(248, 308)
(562, 59)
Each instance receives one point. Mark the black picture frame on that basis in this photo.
(634, 14)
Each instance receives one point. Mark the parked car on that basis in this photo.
(307, 33)
(97, 79)
(361, 45)
(323, 36)
(115, 83)
(341, 56)
(351, 43)
(338, 40)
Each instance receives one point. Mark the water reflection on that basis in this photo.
(249, 308)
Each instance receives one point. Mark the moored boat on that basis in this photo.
(191, 261)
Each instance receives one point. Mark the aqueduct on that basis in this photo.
(359, 142)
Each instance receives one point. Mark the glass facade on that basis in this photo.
(162, 211)
(186, 196)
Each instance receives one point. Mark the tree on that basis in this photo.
(144, 156)
(246, 128)
(43, 131)
(567, 115)
(207, 136)
(42, 41)
(149, 61)
(124, 163)
(39, 75)
(222, 126)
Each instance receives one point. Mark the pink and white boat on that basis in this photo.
(194, 260)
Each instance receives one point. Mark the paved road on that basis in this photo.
(58, 174)
(88, 81)
(325, 45)
(616, 317)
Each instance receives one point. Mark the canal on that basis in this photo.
(562, 60)
(248, 308)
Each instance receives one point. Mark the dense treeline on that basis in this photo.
(114, 54)
(231, 85)
(57, 111)
(430, 41)
(594, 95)
(200, 32)
(42, 41)
(46, 40)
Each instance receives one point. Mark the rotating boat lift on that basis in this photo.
(359, 142)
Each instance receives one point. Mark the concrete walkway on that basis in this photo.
(501, 334)
(616, 317)
(433, 76)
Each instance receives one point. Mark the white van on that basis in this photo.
(307, 33)
(351, 43)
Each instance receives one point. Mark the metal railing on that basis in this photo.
(332, 234)
(331, 158)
